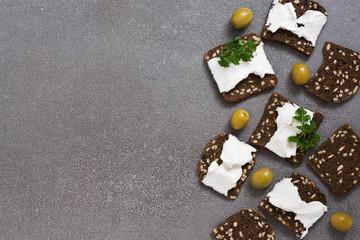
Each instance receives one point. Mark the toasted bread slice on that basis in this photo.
(252, 84)
(337, 161)
(308, 192)
(212, 153)
(267, 125)
(288, 37)
(338, 77)
(246, 224)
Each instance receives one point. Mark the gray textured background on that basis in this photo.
(106, 107)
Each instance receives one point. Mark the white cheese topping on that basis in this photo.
(283, 16)
(227, 78)
(285, 195)
(234, 155)
(235, 152)
(286, 127)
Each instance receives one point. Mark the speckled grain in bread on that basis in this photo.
(249, 86)
(337, 161)
(266, 128)
(212, 153)
(289, 38)
(246, 224)
(308, 192)
(338, 77)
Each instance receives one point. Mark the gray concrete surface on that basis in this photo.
(106, 107)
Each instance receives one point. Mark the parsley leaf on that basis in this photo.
(237, 50)
(309, 137)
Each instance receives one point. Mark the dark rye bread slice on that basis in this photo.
(337, 161)
(212, 153)
(289, 38)
(266, 128)
(249, 86)
(308, 192)
(338, 77)
(246, 224)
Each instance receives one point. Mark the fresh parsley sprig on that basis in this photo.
(236, 50)
(309, 137)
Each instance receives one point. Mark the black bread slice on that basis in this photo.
(212, 153)
(308, 192)
(337, 161)
(266, 128)
(246, 224)
(337, 79)
(289, 38)
(249, 86)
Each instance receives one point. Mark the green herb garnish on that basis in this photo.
(309, 137)
(236, 50)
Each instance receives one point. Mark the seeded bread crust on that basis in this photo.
(266, 128)
(338, 77)
(308, 192)
(212, 153)
(337, 161)
(249, 86)
(289, 38)
(246, 224)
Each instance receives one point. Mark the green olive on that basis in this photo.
(239, 119)
(241, 18)
(341, 222)
(261, 178)
(300, 74)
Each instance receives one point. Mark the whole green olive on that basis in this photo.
(239, 119)
(241, 18)
(341, 221)
(300, 74)
(261, 178)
